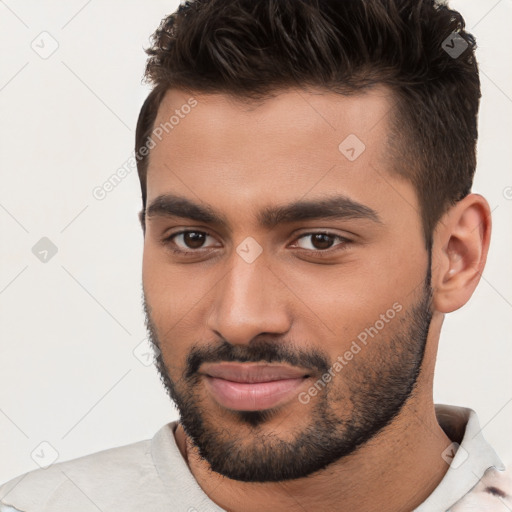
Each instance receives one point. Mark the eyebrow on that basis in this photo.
(334, 207)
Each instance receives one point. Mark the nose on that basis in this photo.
(248, 301)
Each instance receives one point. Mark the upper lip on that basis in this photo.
(246, 372)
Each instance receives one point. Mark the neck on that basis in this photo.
(395, 471)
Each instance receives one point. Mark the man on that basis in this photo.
(306, 171)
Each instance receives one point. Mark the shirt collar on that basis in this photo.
(472, 457)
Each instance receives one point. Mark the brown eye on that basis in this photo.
(188, 241)
(320, 241)
(193, 239)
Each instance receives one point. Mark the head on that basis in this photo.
(306, 169)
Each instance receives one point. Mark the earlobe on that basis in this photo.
(461, 243)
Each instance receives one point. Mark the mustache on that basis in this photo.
(260, 351)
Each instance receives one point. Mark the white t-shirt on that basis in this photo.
(152, 476)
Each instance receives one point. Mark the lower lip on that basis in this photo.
(253, 396)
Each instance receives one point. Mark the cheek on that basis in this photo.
(350, 303)
(176, 296)
(168, 287)
(364, 299)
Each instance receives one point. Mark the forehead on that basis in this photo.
(299, 144)
(292, 119)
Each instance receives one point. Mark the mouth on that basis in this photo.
(253, 387)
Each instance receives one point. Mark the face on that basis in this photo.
(278, 235)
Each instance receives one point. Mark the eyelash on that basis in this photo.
(168, 241)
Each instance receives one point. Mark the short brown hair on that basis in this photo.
(253, 48)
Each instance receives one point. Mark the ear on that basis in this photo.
(459, 252)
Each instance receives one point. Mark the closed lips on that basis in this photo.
(248, 373)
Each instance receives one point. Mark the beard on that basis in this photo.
(376, 387)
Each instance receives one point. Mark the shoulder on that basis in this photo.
(78, 481)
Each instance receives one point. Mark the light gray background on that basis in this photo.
(68, 374)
